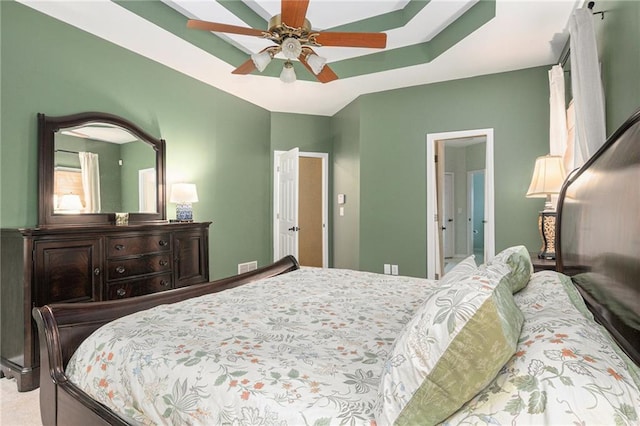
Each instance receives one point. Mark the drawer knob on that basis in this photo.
(163, 243)
(119, 246)
(121, 292)
(164, 283)
(120, 269)
(96, 272)
(163, 262)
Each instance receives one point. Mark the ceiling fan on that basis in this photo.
(293, 37)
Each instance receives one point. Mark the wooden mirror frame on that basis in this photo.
(47, 128)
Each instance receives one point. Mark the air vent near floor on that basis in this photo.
(247, 266)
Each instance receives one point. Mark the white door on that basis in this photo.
(448, 229)
(287, 209)
(147, 190)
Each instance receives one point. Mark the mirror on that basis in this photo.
(93, 165)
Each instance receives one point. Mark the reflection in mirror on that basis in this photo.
(102, 168)
(93, 165)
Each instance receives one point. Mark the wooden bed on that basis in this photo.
(63, 327)
(598, 246)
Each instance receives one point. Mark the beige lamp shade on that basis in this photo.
(547, 179)
(183, 193)
(548, 176)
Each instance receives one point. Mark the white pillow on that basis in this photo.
(462, 270)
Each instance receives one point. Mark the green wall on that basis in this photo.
(618, 36)
(393, 159)
(215, 140)
(347, 181)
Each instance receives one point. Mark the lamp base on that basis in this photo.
(547, 228)
(184, 212)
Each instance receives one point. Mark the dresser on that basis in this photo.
(41, 266)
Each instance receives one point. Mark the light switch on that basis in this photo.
(341, 211)
(341, 198)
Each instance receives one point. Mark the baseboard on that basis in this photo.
(27, 379)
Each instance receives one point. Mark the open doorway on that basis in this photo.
(300, 201)
(459, 153)
(475, 209)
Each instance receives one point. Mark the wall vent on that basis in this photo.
(247, 266)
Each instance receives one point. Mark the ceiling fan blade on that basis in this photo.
(325, 76)
(246, 68)
(293, 12)
(223, 28)
(374, 40)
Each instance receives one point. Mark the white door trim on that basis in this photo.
(489, 246)
(325, 203)
(449, 201)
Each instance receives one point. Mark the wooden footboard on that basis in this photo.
(62, 327)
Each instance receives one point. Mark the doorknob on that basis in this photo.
(449, 220)
(294, 228)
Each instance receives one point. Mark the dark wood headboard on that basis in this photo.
(598, 234)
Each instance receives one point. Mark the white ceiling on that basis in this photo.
(523, 34)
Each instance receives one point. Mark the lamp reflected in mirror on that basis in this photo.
(69, 203)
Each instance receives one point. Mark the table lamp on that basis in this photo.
(548, 177)
(183, 194)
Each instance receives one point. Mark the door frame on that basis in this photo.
(432, 222)
(325, 202)
(449, 199)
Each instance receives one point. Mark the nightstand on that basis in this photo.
(542, 264)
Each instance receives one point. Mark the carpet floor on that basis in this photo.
(18, 408)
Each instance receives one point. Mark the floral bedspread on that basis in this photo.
(308, 347)
(305, 347)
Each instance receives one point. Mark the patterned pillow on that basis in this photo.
(462, 270)
(519, 262)
(456, 343)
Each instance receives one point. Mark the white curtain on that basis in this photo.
(590, 131)
(90, 181)
(558, 112)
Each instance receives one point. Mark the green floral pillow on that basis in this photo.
(519, 262)
(456, 343)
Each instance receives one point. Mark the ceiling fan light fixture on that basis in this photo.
(261, 60)
(288, 75)
(291, 48)
(316, 63)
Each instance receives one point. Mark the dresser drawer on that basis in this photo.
(134, 245)
(132, 288)
(126, 268)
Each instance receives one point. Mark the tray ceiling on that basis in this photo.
(428, 41)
